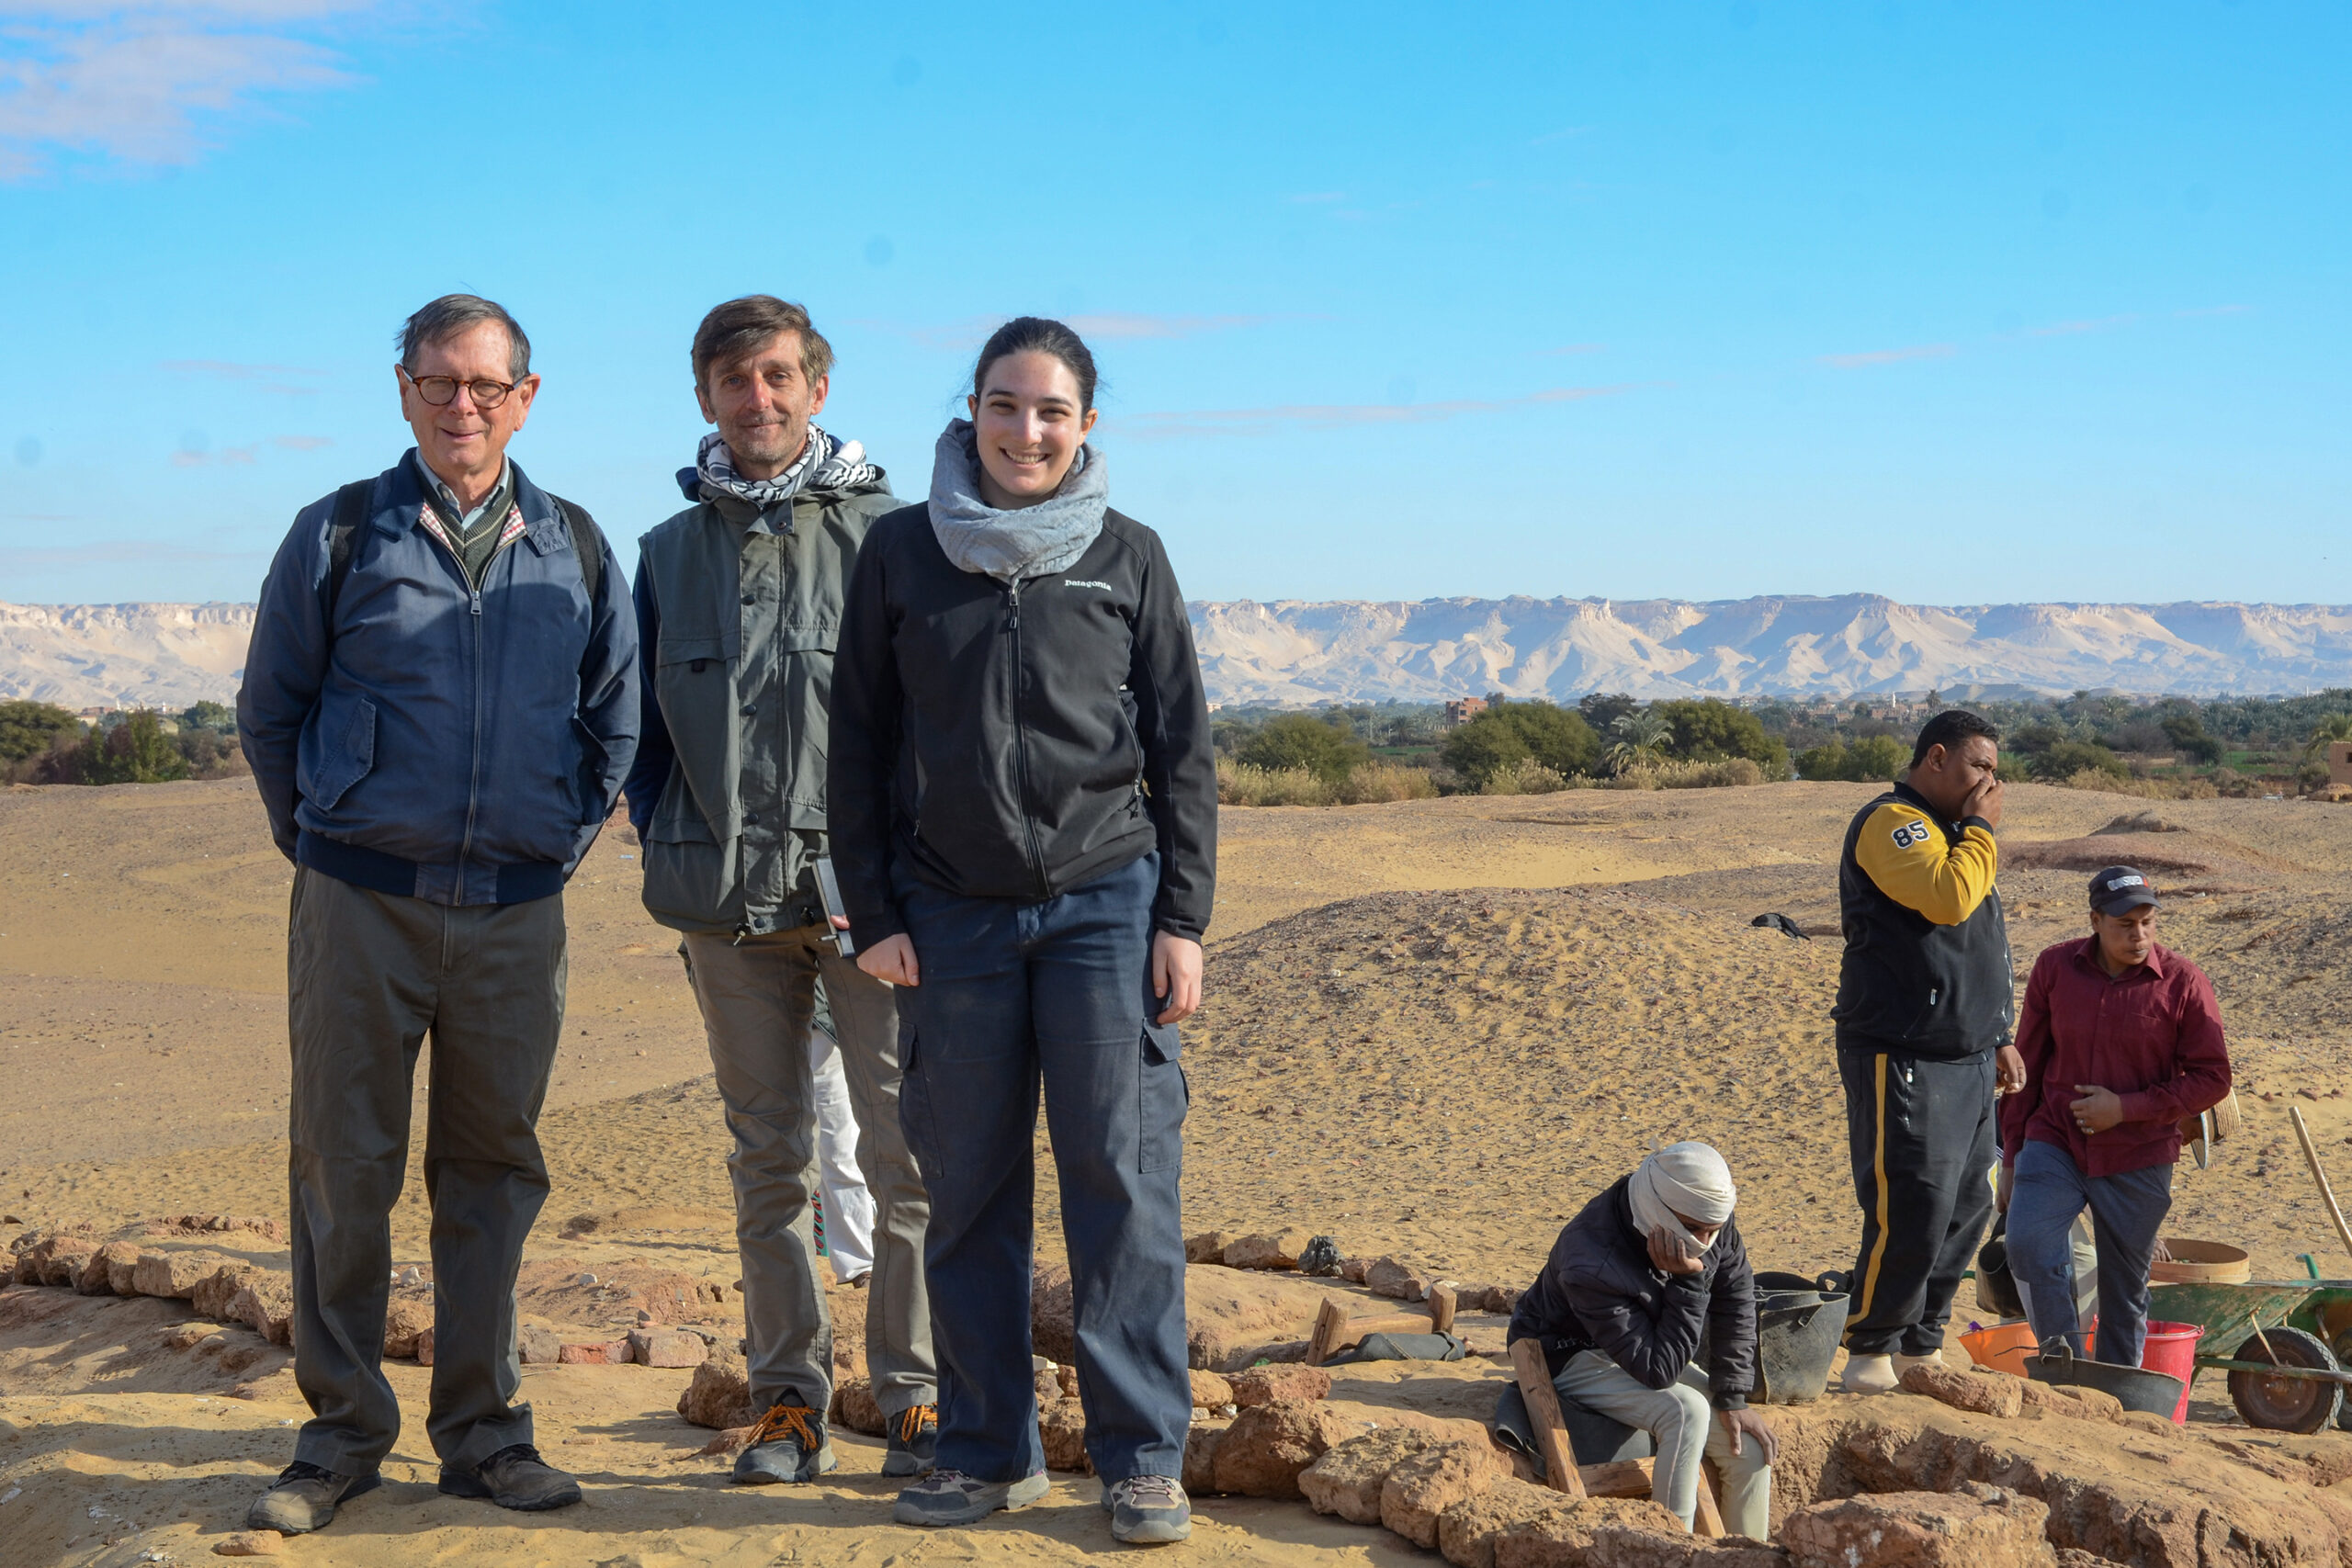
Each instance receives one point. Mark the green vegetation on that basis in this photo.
(1871, 759)
(1303, 743)
(1495, 744)
(41, 743)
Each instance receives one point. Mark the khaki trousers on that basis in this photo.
(756, 997)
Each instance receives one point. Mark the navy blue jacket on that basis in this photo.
(431, 740)
(1599, 1291)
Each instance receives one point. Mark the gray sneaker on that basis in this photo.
(304, 1497)
(515, 1477)
(952, 1497)
(1147, 1510)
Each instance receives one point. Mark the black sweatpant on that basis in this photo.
(1925, 1144)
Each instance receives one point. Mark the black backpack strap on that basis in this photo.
(587, 542)
(343, 534)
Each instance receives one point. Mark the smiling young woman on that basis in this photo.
(1022, 797)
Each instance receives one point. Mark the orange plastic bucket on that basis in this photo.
(2171, 1349)
(2003, 1347)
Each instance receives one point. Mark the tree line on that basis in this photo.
(42, 743)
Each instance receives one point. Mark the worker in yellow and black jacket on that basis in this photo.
(1924, 1006)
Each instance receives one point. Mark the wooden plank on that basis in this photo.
(1708, 1520)
(2319, 1174)
(1543, 1413)
(1618, 1478)
(1330, 1323)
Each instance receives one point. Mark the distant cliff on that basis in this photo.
(1297, 652)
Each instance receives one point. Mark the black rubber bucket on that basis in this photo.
(1798, 1326)
(2158, 1394)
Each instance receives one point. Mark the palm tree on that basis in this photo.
(1641, 740)
(2335, 727)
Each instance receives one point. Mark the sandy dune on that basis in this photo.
(1433, 1030)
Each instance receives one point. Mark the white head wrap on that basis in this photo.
(1682, 1179)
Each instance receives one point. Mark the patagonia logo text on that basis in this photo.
(1910, 835)
(1084, 582)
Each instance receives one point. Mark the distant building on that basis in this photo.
(1462, 710)
(2339, 761)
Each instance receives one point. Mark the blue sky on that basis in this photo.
(1955, 303)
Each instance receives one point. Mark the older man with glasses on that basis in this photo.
(440, 703)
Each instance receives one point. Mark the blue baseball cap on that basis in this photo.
(2121, 888)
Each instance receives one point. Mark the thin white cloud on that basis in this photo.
(145, 83)
(1135, 323)
(1889, 355)
(1341, 416)
(2072, 328)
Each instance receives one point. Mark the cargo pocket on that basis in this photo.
(914, 1104)
(1165, 1098)
(354, 758)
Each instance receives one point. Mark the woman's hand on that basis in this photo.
(1175, 976)
(891, 959)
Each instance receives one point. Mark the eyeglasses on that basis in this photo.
(442, 391)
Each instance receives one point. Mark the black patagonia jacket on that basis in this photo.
(1599, 1291)
(1015, 742)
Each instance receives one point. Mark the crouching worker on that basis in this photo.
(1630, 1284)
(2121, 1041)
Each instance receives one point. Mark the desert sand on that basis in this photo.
(1433, 1030)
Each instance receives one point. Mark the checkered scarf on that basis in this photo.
(824, 464)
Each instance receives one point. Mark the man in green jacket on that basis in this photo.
(739, 602)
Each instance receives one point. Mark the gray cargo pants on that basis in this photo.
(368, 976)
(756, 997)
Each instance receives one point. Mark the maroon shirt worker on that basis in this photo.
(2121, 1041)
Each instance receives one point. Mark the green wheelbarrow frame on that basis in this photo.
(2321, 1308)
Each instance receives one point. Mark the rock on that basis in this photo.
(1263, 1385)
(210, 1296)
(1347, 1479)
(585, 1355)
(1200, 1459)
(100, 1269)
(188, 1336)
(404, 1320)
(2079, 1404)
(1049, 1383)
(425, 1339)
(1467, 1530)
(1502, 1299)
(249, 1543)
(1985, 1527)
(1279, 1250)
(66, 1263)
(1231, 1317)
(1614, 1546)
(1739, 1551)
(1210, 1391)
(265, 1304)
(719, 1395)
(856, 1408)
(1065, 1383)
(539, 1345)
(1351, 1269)
(1268, 1444)
(1564, 1537)
(1206, 1247)
(172, 1275)
(1061, 1428)
(1386, 1276)
(1321, 1256)
(1425, 1484)
(666, 1347)
(1987, 1393)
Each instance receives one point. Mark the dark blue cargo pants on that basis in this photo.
(1057, 992)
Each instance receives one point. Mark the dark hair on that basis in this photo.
(452, 313)
(1949, 728)
(1036, 334)
(739, 326)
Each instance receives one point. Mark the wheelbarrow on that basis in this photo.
(2291, 1340)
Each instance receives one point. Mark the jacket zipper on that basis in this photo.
(473, 776)
(1021, 743)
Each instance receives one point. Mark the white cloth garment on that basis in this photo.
(1681, 1180)
(849, 1207)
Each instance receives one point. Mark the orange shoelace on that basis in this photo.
(911, 1420)
(784, 1420)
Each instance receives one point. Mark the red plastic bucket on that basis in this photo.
(2171, 1349)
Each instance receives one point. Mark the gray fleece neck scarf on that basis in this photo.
(1029, 541)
